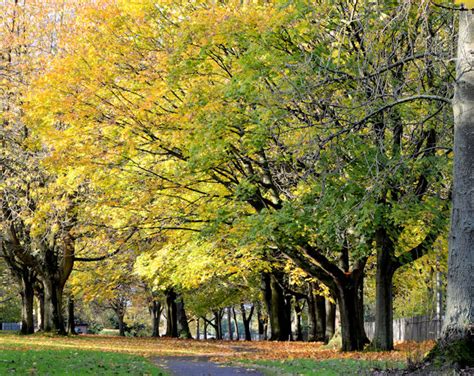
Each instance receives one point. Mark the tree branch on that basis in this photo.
(100, 258)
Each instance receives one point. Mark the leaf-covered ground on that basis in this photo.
(216, 350)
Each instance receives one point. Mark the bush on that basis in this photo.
(94, 328)
(136, 330)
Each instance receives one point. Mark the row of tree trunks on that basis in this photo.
(50, 294)
(177, 323)
(317, 316)
(50, 297)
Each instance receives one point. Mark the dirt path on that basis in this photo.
(200, 366)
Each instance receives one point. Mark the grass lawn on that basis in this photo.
(330, 367)
(73, 362)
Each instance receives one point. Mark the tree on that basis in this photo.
(37, 211)
(291, 130)
(457, 340)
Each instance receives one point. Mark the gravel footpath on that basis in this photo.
(201, 366)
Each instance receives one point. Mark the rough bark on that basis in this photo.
(171, 314)
(261, 322)
(70, 317)
(237, 331)
(344, 282)
(298, 313)
(53, 273)
(387, 264)
(383, 337)
(121, 323)
(218, 323)
(247, 320)
(27, 299)
(40, 296)
(278, 308)
(457, 340)
(229, 323)
(352, 322)
(182, 320)
(320, 305)
(330, 320)
(53, 297)
(311, 315)
(155, 317)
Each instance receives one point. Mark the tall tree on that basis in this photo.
(457, 340)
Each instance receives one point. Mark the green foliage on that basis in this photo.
(10, 311)
(225, 134)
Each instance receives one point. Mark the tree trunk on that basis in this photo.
(247, 320)
(198, 328)
(70, 318)
(27, 299)
(229, 324)
(316, 316)
(352, 322)
(205, 328)
(218, 323)
(155, 316)
(121, 323)
(53, 314)
(312, 324)
(261, 322)
(40, 297)
(457, 340)
(182, 320)
(330, 320)
(320, 306)
(171, 314)
(298, 313)
(278, 308)
(237, 331)
(383, 337)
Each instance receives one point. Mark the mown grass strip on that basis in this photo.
(74, 362)
(330, 367)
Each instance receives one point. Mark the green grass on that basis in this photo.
(109, 332)
(330, 367)
(73, 362)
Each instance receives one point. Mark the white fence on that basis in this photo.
(419, 328)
